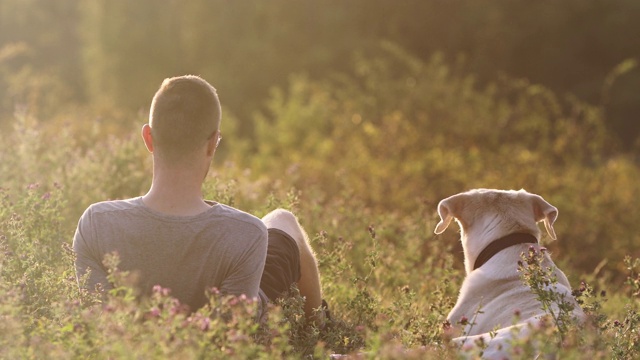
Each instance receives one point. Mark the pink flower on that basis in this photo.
(204, 326)
(154, 312)
(157, 289)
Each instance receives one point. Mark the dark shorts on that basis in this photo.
(282, 267)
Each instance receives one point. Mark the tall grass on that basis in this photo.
(363, 162)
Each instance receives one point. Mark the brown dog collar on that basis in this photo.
(501, 244)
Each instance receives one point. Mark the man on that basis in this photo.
(174, 238)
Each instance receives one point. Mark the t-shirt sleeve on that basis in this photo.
(246, 271)
(88, 257)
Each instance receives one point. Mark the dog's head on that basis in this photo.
(485, 215)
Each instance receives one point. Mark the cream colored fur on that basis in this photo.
(492, 294)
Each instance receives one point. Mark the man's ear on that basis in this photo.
(448, 209)
(213, 142)
(543, 211)
(146, 136)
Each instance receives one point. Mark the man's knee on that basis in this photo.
(280, 216)
(286, 221)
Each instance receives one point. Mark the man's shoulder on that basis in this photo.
(113, 205)
(240, 217)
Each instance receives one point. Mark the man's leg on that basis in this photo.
(309, 283)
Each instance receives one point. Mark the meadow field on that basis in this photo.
(363, 160)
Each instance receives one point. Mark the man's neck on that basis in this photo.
(175, 193)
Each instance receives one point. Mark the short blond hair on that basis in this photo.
(184, 113)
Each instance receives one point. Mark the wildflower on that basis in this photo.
(206, 323)
(463, 320)
(176, 308)
(617, 324)
(154, 312)
(46, 196)
(157, 289)
(372, 231)
(583, 287)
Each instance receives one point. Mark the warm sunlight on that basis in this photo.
(359, 117)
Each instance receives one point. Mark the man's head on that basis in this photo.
(185, 114)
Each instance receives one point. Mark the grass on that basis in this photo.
(363, 163)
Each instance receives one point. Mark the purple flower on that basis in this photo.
(154, 312)
(206, 322)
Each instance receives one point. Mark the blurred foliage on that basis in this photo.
(404, 132)
(399, 135)
(112, 54)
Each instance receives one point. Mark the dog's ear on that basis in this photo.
(543, 211)
(448, 209)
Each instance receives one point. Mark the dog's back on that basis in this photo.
(494, 295)
(497, 226)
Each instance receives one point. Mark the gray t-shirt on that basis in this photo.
(222, 247)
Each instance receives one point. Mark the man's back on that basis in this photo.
(221, 247)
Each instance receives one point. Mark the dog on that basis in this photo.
(497, 226)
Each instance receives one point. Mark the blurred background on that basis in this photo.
(113, 54)
(355, 109)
